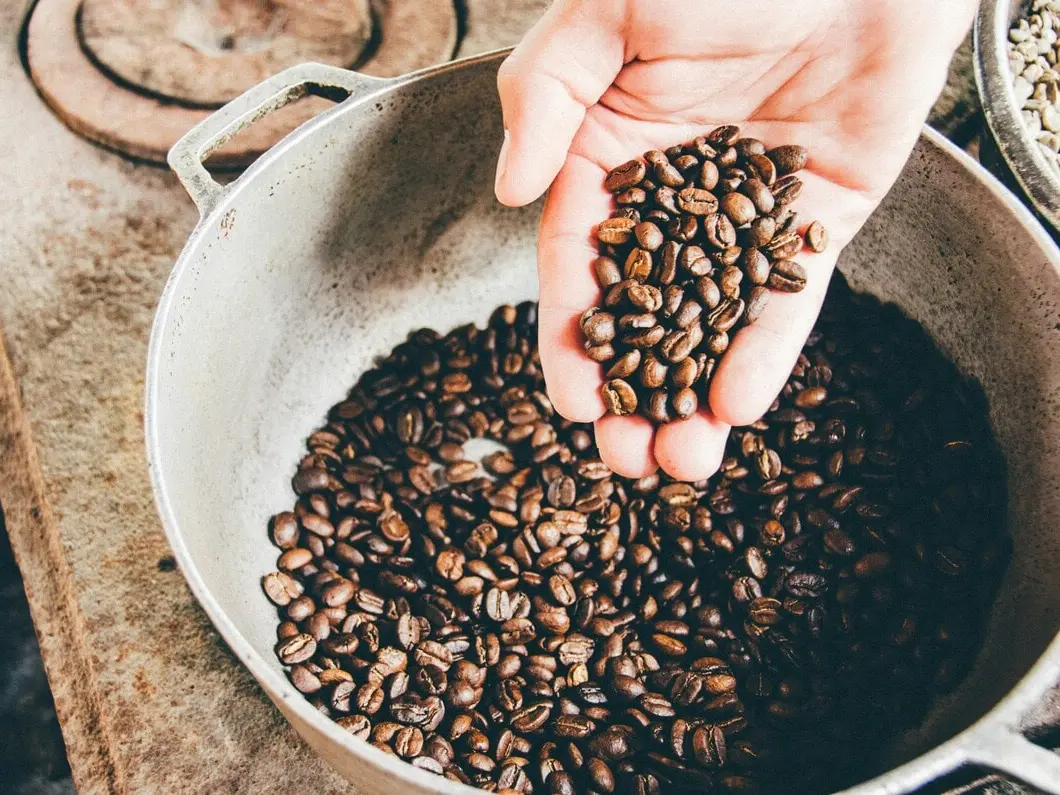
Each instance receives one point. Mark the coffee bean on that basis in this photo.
(762, 197)
(725, 135)
(668, 175)
(719, 229)
(786, 190)
(684, 403)
(649, 236)
(761, 167)
(598, 327)
(531, 719)
(739, 208)
(784, 245)
(615, 231)
(708, 746)
(625, 176)
(816, 237)
(607, 271)
(619, 397)
(788, 159)
(296, 649)
(431, 653)
(787, 276)
(697, 201)
(498, 605)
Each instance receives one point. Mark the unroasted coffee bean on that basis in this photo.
(531, 621)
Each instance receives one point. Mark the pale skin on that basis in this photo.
(598, 82)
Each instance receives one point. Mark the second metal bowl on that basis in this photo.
(1011, 152)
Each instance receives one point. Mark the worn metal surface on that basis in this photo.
(149, 698)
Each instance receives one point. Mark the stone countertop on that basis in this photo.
(148, 696)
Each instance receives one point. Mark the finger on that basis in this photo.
(753, 371)
(691, 449)
(625, 445)
(572, 379)
(562, 66)
(566, 250)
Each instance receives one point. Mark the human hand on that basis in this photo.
(597, 82)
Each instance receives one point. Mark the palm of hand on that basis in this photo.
(843, 79)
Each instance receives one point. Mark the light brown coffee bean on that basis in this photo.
(816, 237)
(619, 397)
(787, 276)
(739, 209)
(625, 176)
(789, 158)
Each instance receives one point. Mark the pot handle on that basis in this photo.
(187, 155)
(1009, 752)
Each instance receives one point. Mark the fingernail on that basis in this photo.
(502, 159)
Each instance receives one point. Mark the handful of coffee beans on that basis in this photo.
(525, 621)
(702, 233)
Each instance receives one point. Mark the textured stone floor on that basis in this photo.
(32, 758)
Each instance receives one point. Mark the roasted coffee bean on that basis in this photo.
(788, 159)
(719, 229)
(726, 315)
(786, 190)
(787, 276)
(697, 201)
(598, 327)
(816, 237)
(615, 231)
(638, 265)
(296, 649)
(649, 236)
(739, 208)
(708, 746)
(684, 403)
(607, 271)
(756, 266)
(555, 625)
(625, 176)
(725, 135)
(784, 245)
(619, 397)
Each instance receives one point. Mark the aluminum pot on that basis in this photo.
(1008, 150)
(378, 217)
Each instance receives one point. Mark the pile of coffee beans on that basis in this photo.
(1034, 44)
(523, 620)
(703, 231)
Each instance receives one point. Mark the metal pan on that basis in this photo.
(378, 217)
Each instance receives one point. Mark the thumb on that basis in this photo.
(562, 67)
